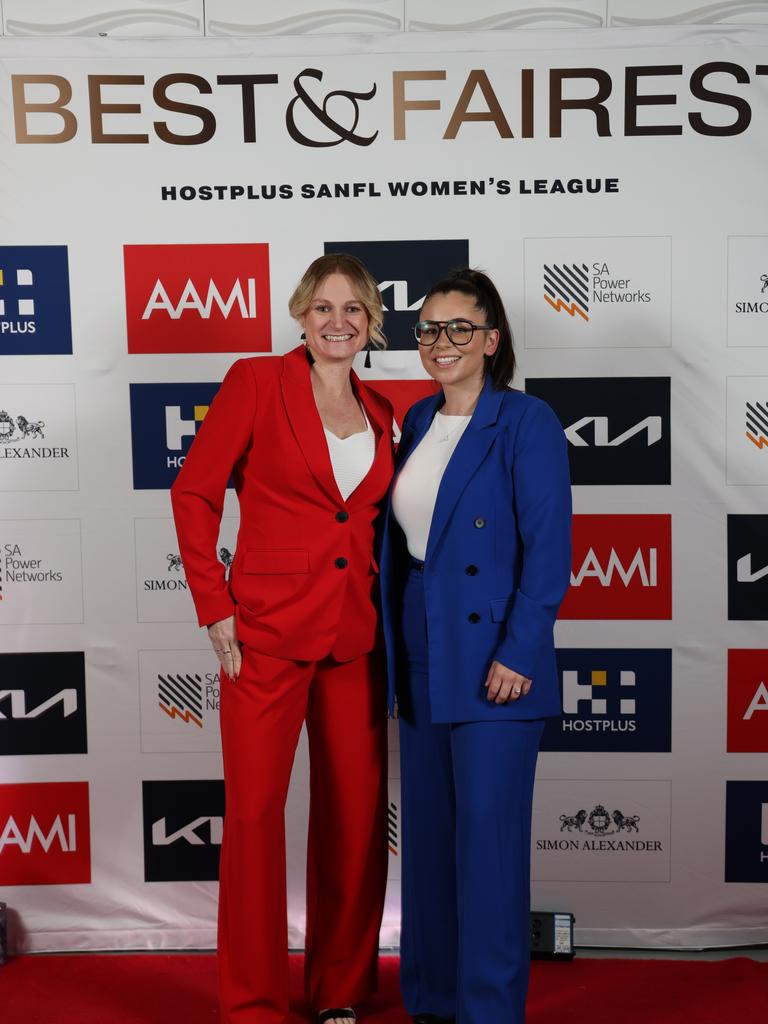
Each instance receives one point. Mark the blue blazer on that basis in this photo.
(498, 557)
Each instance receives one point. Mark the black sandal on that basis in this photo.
(336, 1012)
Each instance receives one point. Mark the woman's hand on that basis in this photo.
(504, 685)
(223, 636)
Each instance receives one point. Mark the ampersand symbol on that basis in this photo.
(321, 113)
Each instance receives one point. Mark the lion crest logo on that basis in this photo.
(174, 563)
(599, 822)
(27, 429)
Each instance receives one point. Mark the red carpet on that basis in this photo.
(180, 989)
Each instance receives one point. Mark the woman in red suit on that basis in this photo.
(309, 449)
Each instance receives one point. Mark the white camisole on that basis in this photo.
(351, 457)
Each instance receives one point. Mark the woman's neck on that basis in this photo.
(332, 377)
(461, 399)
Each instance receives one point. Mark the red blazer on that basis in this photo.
(303, 575)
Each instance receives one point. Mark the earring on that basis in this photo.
(303, 336)
(367, 363)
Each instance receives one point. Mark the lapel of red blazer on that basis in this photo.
(374, 486)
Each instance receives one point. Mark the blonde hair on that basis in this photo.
(363, 284)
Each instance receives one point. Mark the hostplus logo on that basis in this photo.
(34, 300)
(404, 271)
(165, 419)
(746, 831)
(198, 298)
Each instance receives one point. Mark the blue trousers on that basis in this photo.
(467, 792)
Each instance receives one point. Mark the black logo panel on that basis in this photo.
(748, 567)
(618, 428)
(405, 271)
(746, 831)
(42, 703)
(183, 826)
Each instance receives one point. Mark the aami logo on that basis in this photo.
(566, 288)
(42, 703)
(44, 833)
(613, 700)
(165, 419)
(746, 831)
(198, 298)
(748, 567)
(622, 568)
(618, 428)
(402, 394)
(183, 824)
(405, 270)
(34, 300)
(748, 701)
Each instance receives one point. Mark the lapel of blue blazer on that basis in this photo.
(470, 452)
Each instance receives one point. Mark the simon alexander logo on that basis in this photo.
(42, 703)
(183, 828)
(38, 437)
(34, 300)
(164, 421)
(198, 298)
(748, 701)
(44, 833)
(622, 568)
(746, 831)
(748, 567)
(613, 700)
(748, 290)
(405, 270)
(618, 428)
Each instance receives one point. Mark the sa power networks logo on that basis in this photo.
(179, 697)
(748, 567)
(44, 833)
(601, 830)
(748, 701)
(198, 298)
(622, 568)
(748, 290)
(34, 300)
(41, 575)
(597, 292)
(42, 703)
(162, 591)
(613, 700)
(746, 831)
(747, 426)
(183, 828)
(618, 428)
(38, 437)
(165, 419)
(405, 270)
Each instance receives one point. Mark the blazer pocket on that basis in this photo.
(273, 563)
(501, 608)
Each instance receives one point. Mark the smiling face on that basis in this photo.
(336, 323)
(448, 364)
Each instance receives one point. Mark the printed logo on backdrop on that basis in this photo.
(621, 568)
(394, 844)
(748, 567)
(748, 701)
(402, 394)
(165, 419)
(179, 698)
(44, 833)
(183, 826)
(162, 591)
(613, 700)
(748, 290)
(597, 292)
(618, 428)
(747, 426)
(41, 574)
(601, 830)
(34, 300)
(746, 831)
(405, 270)
(42, 703)
(38, 437)
(198, 298)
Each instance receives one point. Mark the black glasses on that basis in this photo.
(458, 332)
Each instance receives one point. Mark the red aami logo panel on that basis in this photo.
(44, 833)
(198, 298)
(748, 701)
(621, 569)
(402, 394)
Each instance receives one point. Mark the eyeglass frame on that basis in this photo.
(443, 325)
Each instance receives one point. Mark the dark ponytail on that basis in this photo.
(476, 284)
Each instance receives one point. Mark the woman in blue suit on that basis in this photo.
(475, 562)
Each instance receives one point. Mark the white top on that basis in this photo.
(415, 493)
(351, 457)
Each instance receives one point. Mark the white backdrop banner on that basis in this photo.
(160, 199)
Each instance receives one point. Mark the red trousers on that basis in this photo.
(261, 716)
